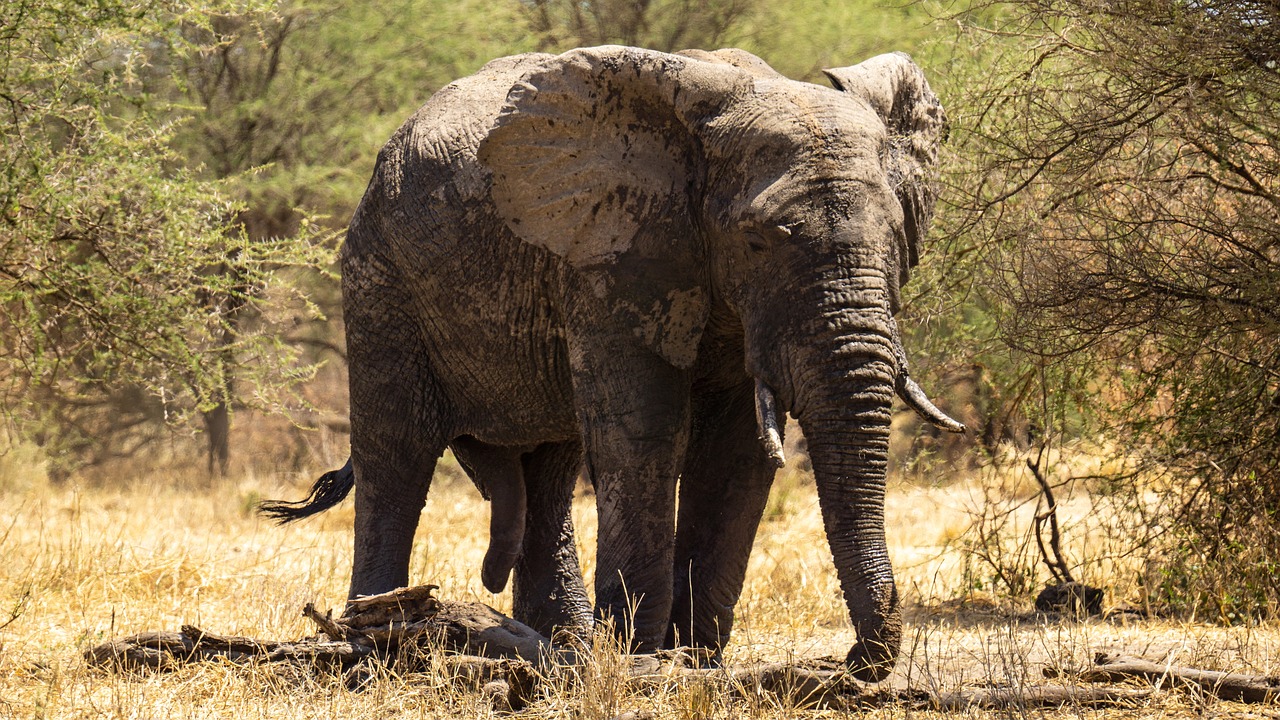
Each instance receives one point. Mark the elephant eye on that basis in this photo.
(761, 238)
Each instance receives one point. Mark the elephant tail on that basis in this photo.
(328, 491)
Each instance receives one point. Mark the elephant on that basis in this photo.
(632, 262)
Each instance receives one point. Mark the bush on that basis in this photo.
(1121, 184)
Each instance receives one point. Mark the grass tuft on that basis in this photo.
(85, 563)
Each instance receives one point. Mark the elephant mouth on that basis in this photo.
(904, 386)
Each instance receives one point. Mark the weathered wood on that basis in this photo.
(338, 653)
(510, 684)
(414, 616)
(1036, 696)
(477, 629)
(152, 650)
(165, 651)
(231, 645)
(1237, 687)
(405, 618)
(811, 685)
(402, 605)
(802, 685)
(476, 647)
(324, 622)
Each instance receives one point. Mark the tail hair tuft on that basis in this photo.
(328, 491)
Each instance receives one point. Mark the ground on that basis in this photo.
(85, 563)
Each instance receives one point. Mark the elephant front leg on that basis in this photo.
(635, 415)
(723, 492)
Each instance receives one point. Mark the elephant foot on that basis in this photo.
(871, 661)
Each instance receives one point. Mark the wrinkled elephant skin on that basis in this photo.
(631, 262)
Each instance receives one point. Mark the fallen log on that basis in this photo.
(1236, 687)
(824, 684)
(1037, 696)
(378, 624)
(165, 651)
(475, 647)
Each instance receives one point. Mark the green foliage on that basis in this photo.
(801, 38)
(797, 38)
(290, 100)
(1234, 585)
(106, 237)
(1119, 186)
(667, 25)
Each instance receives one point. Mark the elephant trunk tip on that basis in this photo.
(870, 662)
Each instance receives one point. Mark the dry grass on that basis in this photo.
(83, 564)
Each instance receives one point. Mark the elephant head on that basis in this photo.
(693, 190)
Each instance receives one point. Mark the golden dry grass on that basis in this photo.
(82, 564)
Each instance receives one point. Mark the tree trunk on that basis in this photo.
(217, 429)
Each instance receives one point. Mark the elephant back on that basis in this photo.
(427, 184)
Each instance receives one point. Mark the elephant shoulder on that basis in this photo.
(438, 143)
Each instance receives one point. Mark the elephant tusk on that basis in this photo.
(915, 398)
(767, 420)
(911, 393)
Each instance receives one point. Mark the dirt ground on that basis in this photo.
(85, 564)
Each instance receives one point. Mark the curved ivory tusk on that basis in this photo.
(767, 420)
(915, 398)
(911, 393)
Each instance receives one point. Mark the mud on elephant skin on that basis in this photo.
(638, 260)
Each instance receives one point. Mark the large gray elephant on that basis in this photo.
(634, 261)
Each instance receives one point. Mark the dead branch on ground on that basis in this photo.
(1236, 687)
(479, 649)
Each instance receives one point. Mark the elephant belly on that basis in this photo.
(497, 342)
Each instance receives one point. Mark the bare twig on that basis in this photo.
(1236, 687)
(324, 622)
(1057, 566)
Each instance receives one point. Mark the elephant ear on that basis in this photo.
(895, 87)
(595, 158)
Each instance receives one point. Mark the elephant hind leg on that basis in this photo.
(400, 425)
(723, 492)
(549, 593)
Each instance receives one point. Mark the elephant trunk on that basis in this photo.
(849, 447)
(841, 391)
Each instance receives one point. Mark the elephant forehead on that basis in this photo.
(772, 160)
(799, 119)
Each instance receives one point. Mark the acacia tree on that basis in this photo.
(287, 102)
(1121, 181)
(667, 25)
(105, 242)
